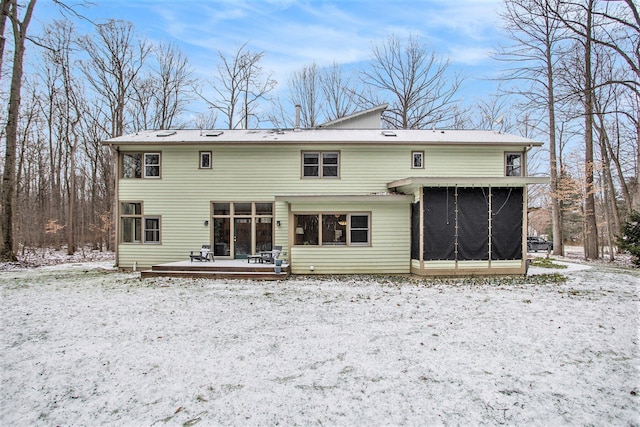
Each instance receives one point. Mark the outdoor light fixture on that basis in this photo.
(206, 223)
(278, 223)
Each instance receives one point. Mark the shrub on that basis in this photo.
(629, 240)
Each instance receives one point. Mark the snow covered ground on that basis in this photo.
(81, 344)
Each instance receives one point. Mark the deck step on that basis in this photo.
(211, 267)
(215, 274)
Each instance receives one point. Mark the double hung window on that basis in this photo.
(323, 164)
(135, 227)
(151, 230)
(359, 230)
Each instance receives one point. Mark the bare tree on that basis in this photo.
(323, 94)
(70, 108)
(419, 86)
(493, 113)
(28, 222)
(304, 86)
(537, 38)
(4, 13)
(100, 164)
(619, 32)
(174, 78)
(239, 85)
(161, 95)
(206, 120)
(141, 107)
(579, 18)
(338, 90)
(115, 61)
(624, 143)
(11, 131)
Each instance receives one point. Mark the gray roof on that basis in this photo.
(322, 136)
(376, 112)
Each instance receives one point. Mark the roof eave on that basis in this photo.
(411, 183)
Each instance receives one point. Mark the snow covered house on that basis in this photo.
(346, 197)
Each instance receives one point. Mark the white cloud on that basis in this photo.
(294, 33)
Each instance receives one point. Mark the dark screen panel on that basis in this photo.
(439, 223)
(473, 223)
(415, 230)
(506, 223)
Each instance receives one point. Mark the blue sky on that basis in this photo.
(295, 33)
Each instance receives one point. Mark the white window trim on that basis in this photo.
(413, 157)
(144, 165)
(320, 165)
(506, 164)
(208, 153)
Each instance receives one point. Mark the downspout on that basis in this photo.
(116, 197)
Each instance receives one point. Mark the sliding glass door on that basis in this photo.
(242, 228)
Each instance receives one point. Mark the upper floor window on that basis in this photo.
(152, 165)
(417, 160)
(324, 164)
(513, 163)
(205, 160)
(141, 165)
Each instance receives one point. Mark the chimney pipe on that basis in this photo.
(298, 108)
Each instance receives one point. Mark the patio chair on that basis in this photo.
(205, 254)
(272, 255)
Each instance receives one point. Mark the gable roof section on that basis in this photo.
(323, 136)
(367, 119)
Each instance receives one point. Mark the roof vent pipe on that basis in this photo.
(298, 108)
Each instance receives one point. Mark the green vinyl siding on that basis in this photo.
(280, 233)
(250, 172)
(183, 194)
(463, 161)
(388, 251)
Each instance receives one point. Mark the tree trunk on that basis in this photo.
(70, 225)
(9, 175)
(4, 12)
(556, 211)
(615, 158)
(591, 225)
(636, 197)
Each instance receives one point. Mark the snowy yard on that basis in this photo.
(84, 345)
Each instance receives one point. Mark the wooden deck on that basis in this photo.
(223, 269)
